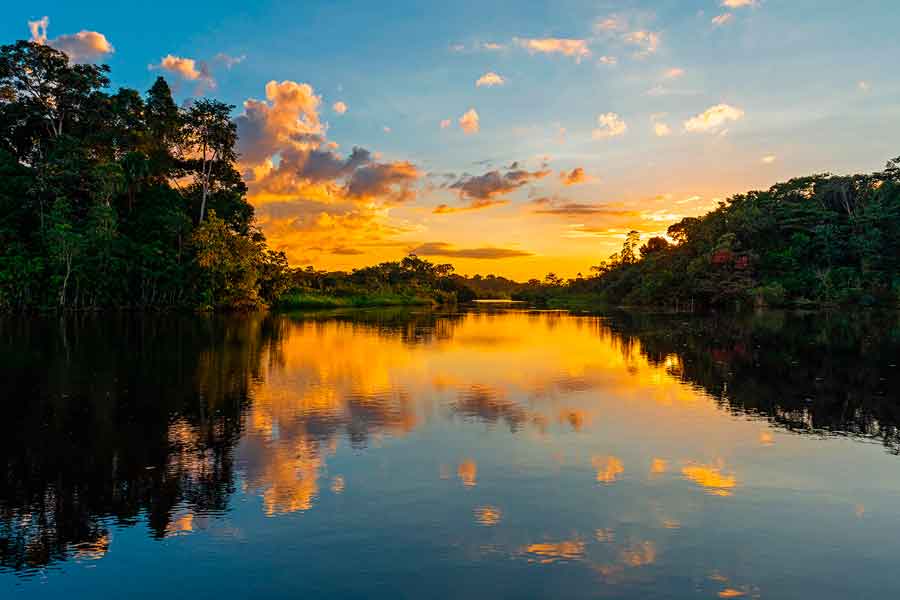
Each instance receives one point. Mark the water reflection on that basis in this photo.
(164, 423)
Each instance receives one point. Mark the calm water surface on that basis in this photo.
(492, 453)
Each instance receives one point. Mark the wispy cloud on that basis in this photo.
(486, 252)
(647, 41)
(722, 19)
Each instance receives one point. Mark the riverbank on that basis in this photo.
(300, 300)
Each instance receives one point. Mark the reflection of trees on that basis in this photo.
(810, 373)
(490, 406)
(118, 418)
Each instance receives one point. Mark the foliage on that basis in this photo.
(120, 200)
(817, 240)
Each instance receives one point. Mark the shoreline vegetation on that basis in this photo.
(123, 200)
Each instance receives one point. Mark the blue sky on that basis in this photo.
(807, 86)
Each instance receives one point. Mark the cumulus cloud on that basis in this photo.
(647, 41)
(187, 69)
(470, 122)
(311, 200)
(490, 79)
(339, 107)
(713, 118)
(84, 46)
(489, 252)
(576, 48)
(574, 177)
(722, 19)
(609, 125)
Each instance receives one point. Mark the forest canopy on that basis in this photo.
(127, 200)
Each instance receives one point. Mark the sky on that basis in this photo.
(514, 138)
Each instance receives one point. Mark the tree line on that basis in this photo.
(818, 240)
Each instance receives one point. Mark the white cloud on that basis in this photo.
(864, 86)
(722, 19)
(662, 130)
(470, 122)
(608, 60)
(713, 118)
(228, 60)
(84, 46)
(568, 47)
(738, 3)
(339, 107)
(490, 79)
(609, 125)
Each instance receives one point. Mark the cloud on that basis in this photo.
(576, 48)
(738, 3)
(187, 69)
(470, 122)
(490, 79)
(722, 19)
(611, 23)
(647, 41)
(311, 201)
(864, 86)
(553, 206)
(769, 159)
(479, 204)
(489, 252)
(287, 119)
(608, 60)
(673, 73)
(609, 125)
(346, 251)
(712, 119)
(228, 60)
(492, 46)
(445, 123)
(494, 183)
(84, 46)
(339, 107)
(662, 130)
(574, 177)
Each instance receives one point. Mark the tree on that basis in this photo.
(210, 138)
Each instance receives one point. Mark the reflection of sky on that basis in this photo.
(530, 451)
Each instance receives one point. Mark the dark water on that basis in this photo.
(484, 454)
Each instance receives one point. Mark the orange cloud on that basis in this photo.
(490, 79)
(446, 250)
(576, 48)
(574, 177)
(609, 125)
(470, 122)
(187, 69)
(84, 46)
(339, 107)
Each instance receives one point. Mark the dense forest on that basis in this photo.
(123, 200)
(818, 240)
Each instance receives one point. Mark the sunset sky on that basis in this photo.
(513, 138)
